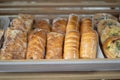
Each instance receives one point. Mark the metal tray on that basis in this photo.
(51, 9)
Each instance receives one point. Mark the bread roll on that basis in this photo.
(36, 44)
(89, 40)
(71, 45)
(15, 44)
(59, 25)
(102, 16)
(106, 23)
(43, 24)
(109, 32)
(54, 45)
(111, 47)
(24, 22)
(73, 23)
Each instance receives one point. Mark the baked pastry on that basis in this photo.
(89, 40)
(24, 22)
(110, 31)
(15, 44)
(73, 23)
(71, 45)
(54, 45)
(111, 47)
(102, 16)
(59, 25)
(43, 24)
(106, 23)
(36, 44)
(86, 25)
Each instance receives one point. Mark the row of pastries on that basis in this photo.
(108, 29)
(72, 38)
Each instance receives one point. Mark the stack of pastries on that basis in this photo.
(72, 38)
(109, 32)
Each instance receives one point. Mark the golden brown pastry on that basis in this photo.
(111, 47)
(106, 23)
(110, 31)
(89, 40)
(54, 45)
(73, 23)
(71, 45)
(43, 24)
(36, 44)
(86, 25)
(24, 22)
(102, 16)
(15, 44)
(59, 25)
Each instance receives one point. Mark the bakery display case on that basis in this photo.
(60, 37)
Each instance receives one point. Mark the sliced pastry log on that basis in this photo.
(15, 44)
(24, 22)
(54, 45)
(36, 44)
(88, 46)
(102, 16)
(43, 24)
(73, 23)
(59, 25)
(71, 45)
(89, 40)
(106, 23)
(110, 31)
(111, 47)
(86, 25)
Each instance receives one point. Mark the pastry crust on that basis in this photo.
(54, 45)
(59, 25)
(15, 44)
(24, 22)
(89, 40)
(106, 23)
(36, 44)
(111, 47)
(102, 16)
(109, 32)
(71, 45)
(86, 25)
(43, 24)
(73, 23)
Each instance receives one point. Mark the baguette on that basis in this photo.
(71, 45)
(73, 23)
(89, 40)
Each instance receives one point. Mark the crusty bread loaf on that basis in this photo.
(71, 45)
(43, 24)
(54, 45)
(89, 40)
(15, 44)
(59, 25)
(36, 44)
(24, 22)
(73, 23)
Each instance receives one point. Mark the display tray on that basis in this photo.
(48, 65)
(59, 65)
